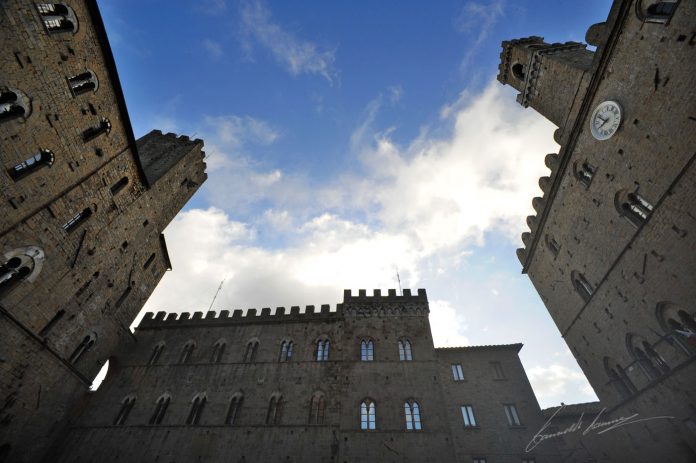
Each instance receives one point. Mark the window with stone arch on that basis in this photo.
(679, 325)
(20, 265)
(156, 353)
(235, 408)
(84, 82)
(321, 350)
(644, 355)
(197, 405)
(412, 415)
(126, 406)
(251, 350)
(57, 17)
(14, 104)
(275, 409)
(367, 350)
(581, 285)
(78, 219)
(368, 414)
(286, 351)
(584, 172)
(218, 351)
(633, 207)
(161, 405)
(84, 347)
(405, 353)
(317, 408)
(187, 351)
(618, 379)
(553, 245)
(656, 11)
(104, 127)
(518, 71)
(42, 158)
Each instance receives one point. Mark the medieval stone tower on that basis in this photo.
(82, 211)
(361, 383)
(612, 247)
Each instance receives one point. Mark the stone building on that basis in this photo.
(82, 209)
(362, 383)
(612, 247)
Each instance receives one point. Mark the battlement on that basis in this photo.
(159, 152)
(223, 317)
(391, 304)
(406, 304)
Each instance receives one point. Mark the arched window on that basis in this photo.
(367, 350)
(584, 172)
(13, 104)
(57, 17)
(367, 415)
(655, 11)
(553, 245)
(275, 409)
(250, 353)
(91, 133)
(618, 379)
(156, 353)
(405, 350)
(518, 71)
(197, 405)
(218, 350)
(581, 285)
(681, 326)
(86, 344)
(77, 220)
(235, 408)
(412, 414)
(317, 406)
(126, 406)
(655, 357)
(633, 207)
(187, 351)
(43, 158)
(637, 348)
(286, 350)
(160, 408)
(21, 264)
(83, 83)
(322, 350)
(118, 186)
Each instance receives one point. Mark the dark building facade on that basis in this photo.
(612, 247)
(82, 209)
(362, 383)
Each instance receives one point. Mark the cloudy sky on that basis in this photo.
(347, 141)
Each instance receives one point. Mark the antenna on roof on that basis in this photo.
(216, 294)
(399, 280)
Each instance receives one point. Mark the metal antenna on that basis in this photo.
(216, 293)
(399, 280)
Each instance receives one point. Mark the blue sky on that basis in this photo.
(349, 140)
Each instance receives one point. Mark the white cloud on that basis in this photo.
(476, 20)
(213, 48)
(421, 209)
(554, 382)
(298, 56)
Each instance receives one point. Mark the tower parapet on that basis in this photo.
(390, 304)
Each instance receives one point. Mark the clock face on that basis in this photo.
(605, 120)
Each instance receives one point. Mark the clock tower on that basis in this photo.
(548, 76)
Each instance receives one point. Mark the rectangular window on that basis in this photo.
(498, 370)
(468, 415)
(511, 413)
(457, 372)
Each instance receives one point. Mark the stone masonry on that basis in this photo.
(180, 359)
(611, 249)
(82, 209)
